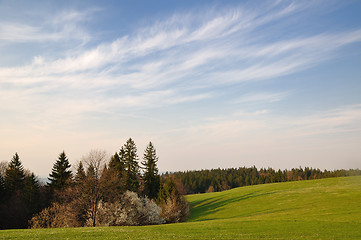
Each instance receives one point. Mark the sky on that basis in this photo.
(213, 84)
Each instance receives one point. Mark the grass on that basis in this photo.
(317, 209)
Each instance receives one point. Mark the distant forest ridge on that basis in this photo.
(216, 180)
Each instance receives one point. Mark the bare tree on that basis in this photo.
(91, 187)
(96, 159)
(3, 166)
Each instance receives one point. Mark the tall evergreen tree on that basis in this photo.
(151, 177)
(60, 174)
(2, 189)
(14, 176)
(80, 173)
(116, 164)
(31, 194)
(129, 159)
(168, 190)
(112, 179)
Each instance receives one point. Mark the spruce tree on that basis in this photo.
(60, 174)
(116, 165)
(14, 176)
(2, 189)
(129, 159)
(168, 190)
(31, 194)
(112, 179)
(151, 177)
(80, 173)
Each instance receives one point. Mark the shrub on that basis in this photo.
(58, 215)
(131, 210)
(175, 209)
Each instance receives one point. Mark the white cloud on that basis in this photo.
(262, 97)
(339, 120)
(185, 58)
(269, 140)
(255, 113)
(172, 61)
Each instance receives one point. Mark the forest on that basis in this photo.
(216, 180)
(121, 190)
(101, 192)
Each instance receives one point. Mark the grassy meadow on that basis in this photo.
(314, 209)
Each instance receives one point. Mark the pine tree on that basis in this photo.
(2, 189)
(129, 159)
(60, 175)
(80, 173)
(14, 176)
(31, 194)
(151, 177)
(168, 190)
(115, 164)
(112, 179)
(175, 207)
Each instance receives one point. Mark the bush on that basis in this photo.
(175, 209)
(58, 215)
(131, 210)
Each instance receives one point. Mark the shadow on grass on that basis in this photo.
(210, 206)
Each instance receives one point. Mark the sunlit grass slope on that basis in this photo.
(317, 209)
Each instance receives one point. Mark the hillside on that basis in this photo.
(315, 209)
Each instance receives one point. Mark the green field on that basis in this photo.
(315, 209)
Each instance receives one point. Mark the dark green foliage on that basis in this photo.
(175, 208)
(222, 179)
(15, 176)
(80, 197)
(129, 159)
(31, 195)
(113, 179)
(167, 190)
(112, 184)
(116, 164)
(60, 174)
(22, 196)
(98, 186)
(151, 177)
(2, 189)
(80, 173)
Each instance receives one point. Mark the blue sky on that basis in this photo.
(211, 84)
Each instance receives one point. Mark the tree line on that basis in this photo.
(121, 189)
(101, 192)
(215, 180)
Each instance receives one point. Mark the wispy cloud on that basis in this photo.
(339, 120)
(63, 26)
(170, 61)
(173, 71)
(262, 97)
(248, 126)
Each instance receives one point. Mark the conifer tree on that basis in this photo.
(112, 179)
(115, 164)
(80, 173)
(129, 159)
(168, 190)
(60, 174)
(14, 176)
(31, 194)
(2, 189)
(151, 177)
